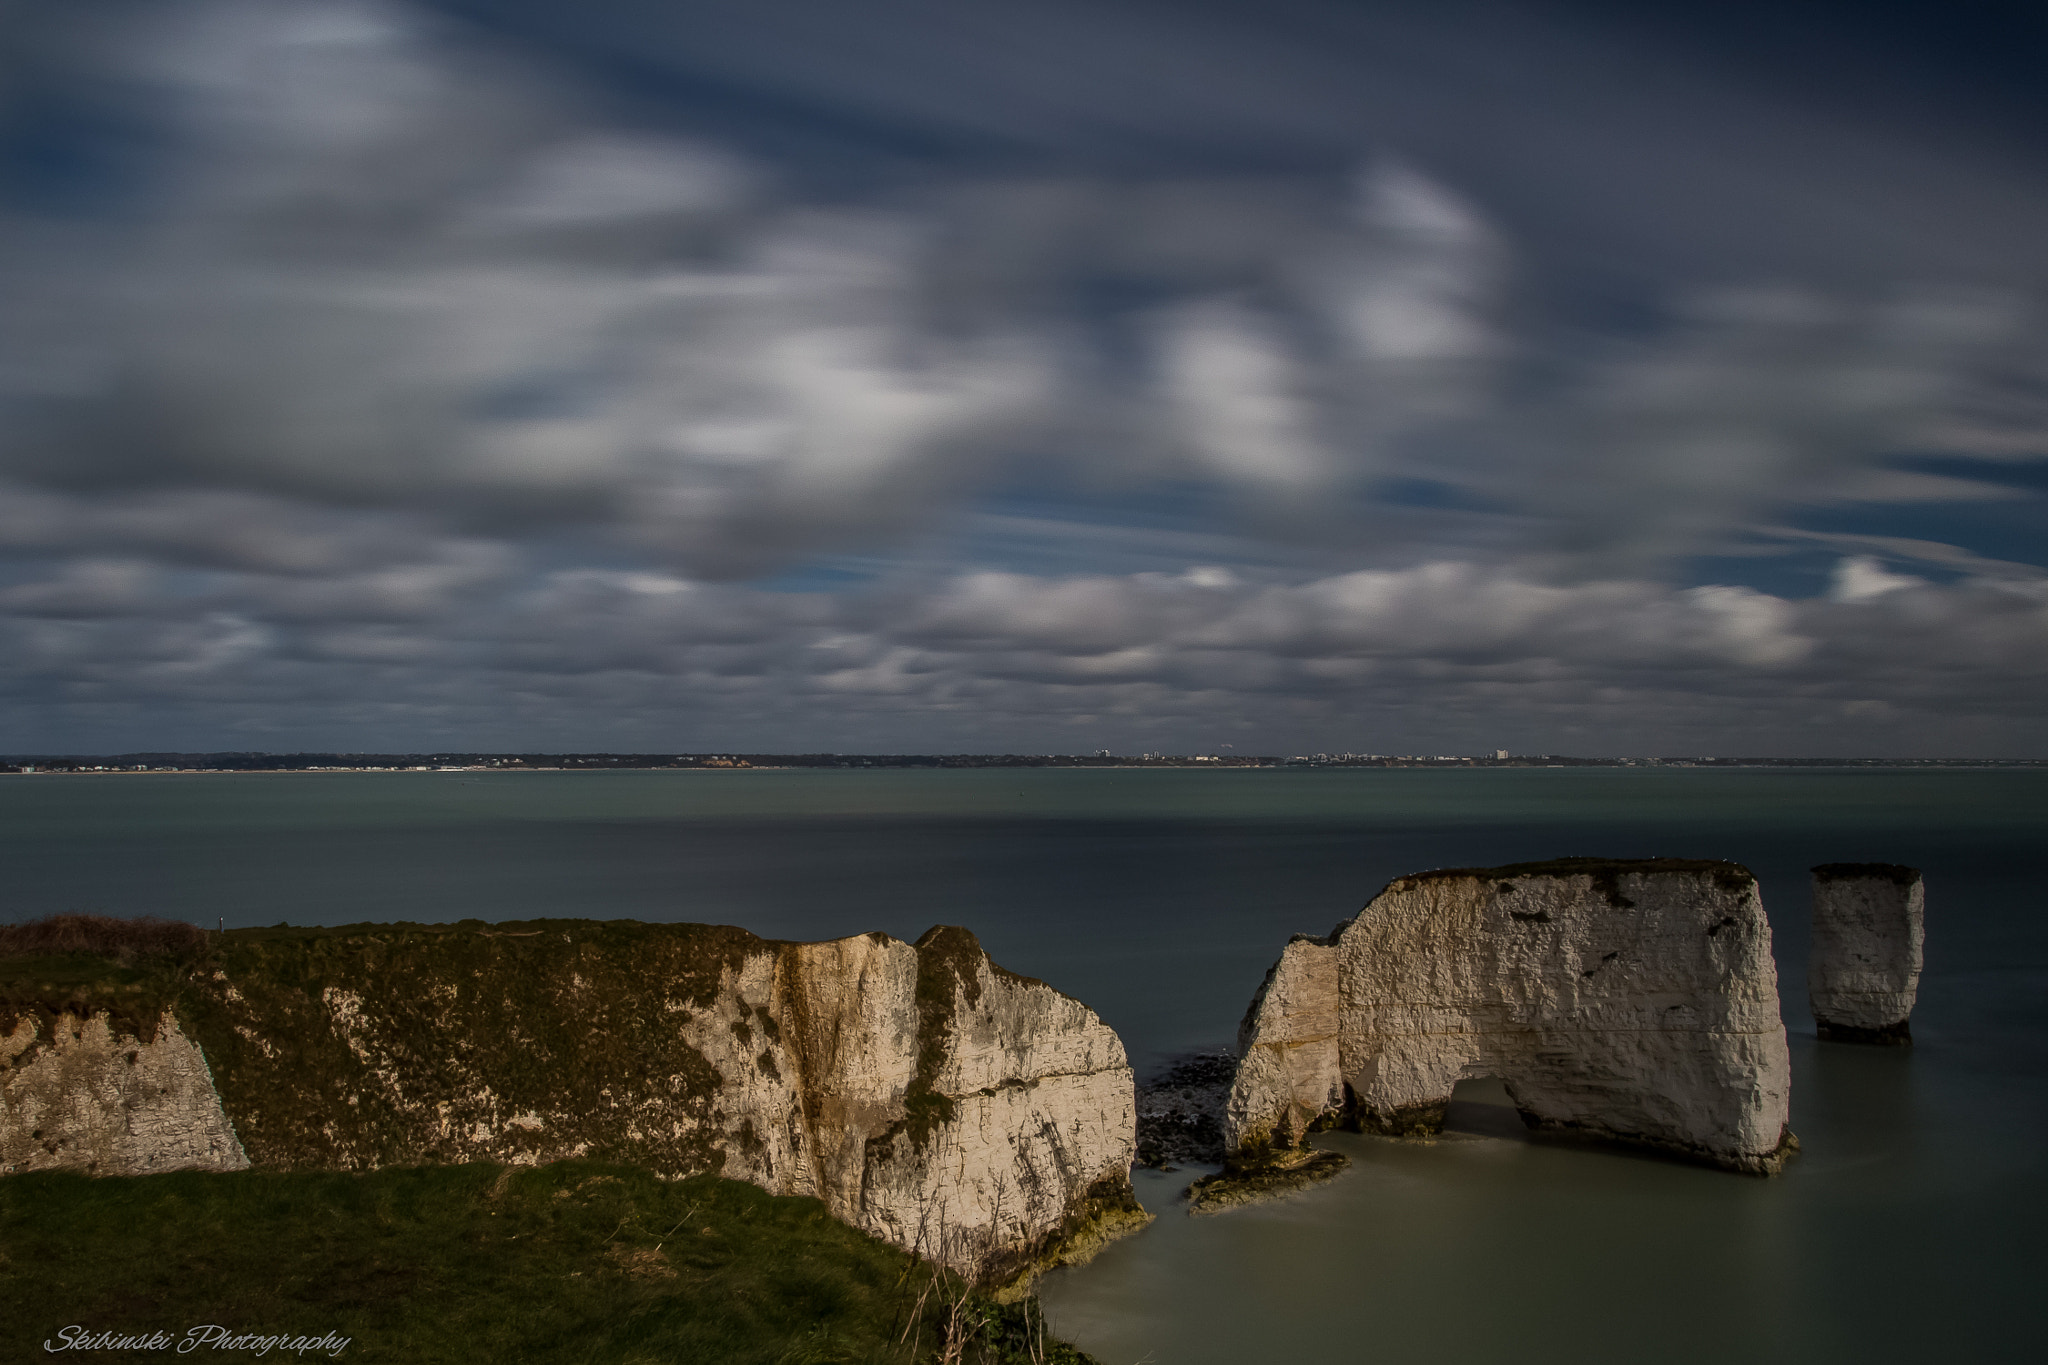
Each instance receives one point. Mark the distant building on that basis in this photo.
(1500, 753)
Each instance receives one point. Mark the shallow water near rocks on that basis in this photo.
(1913, 1226)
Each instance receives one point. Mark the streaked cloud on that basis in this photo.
(391, 374)
(1386, 658)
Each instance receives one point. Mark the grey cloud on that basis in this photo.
(1448, 612)
(1614, 148)
(410, 387)
(1420, 650)
(133, 658)
(421, 589)
(210, 528)
(373, 288)
(1908, 486)
(1911, 551)
(84, 588)
(1862, 578)
(1757, 399)
(396, 272)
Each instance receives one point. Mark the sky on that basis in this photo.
(1041, 376)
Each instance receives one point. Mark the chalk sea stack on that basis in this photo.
(1631, 1000)
(926, 1095)
(1867, 937)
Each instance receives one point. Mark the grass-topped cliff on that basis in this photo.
(927, 1096)
(553, 1012)
(132, 969)
(372, 1044)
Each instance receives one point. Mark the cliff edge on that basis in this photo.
(974, 1116)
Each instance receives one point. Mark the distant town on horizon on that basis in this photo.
(255, 761)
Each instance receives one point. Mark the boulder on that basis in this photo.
(1630, 1000)
(1867, 937)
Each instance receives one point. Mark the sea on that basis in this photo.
(1912, 1226)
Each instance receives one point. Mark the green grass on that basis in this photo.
(134, 969)
(573, 1262)
(133, 995)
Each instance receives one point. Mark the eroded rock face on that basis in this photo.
(77, 1093)
(935, 1100)
(926, 1095)
(1289, 1076)
(1867, 937)
(1633, 1000)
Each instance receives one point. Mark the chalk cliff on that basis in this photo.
(1289, 1076)
(1632, 1000)
(75, 1092)
(925, 1094)
(1867, 935)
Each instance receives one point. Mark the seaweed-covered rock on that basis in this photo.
(1632, 1000)
(925, 1094)
(1867, 936)
(1251, 1177)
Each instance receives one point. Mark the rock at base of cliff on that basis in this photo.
(1108, 1212)
(1180, 1111)
(1766, 1163)
(1868, 935)
(1249, 1181)
(1891, 1035)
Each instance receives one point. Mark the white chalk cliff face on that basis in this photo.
(75, 1093)
(927, 1096)
(923, 1093)
(1289, 1077)
(1633, 1000)
(1867, 939)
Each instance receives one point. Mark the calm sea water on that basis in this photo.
(1913, 1227)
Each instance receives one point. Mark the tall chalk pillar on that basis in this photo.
(1867, 938)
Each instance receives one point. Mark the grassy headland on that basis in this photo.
(577, 1261)
(571, 1262)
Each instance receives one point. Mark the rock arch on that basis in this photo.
(1627, 999)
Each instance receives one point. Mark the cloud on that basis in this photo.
(399, 275)
(1232, 385)
(1931, 552)
(1140, 660)
(1861, 578)
(210, 529)
(379, 264)
(1755, 400)
(376, 369)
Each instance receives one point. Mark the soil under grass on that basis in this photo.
(572, 1262)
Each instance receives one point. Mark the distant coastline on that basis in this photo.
(254, 762)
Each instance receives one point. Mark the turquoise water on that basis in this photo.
(1911, 1228)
